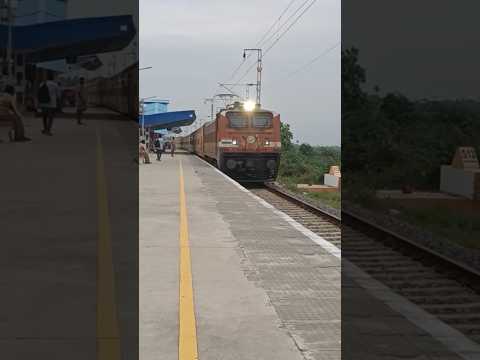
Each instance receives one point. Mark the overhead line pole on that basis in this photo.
(211, 101)
(142, 106)
(9, 19)
(9, 45)
(259, 73)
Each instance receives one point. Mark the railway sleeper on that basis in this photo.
(422, 284)
(396, 277)
(428, 300)
(411, 270)
(470, 329)
(431, 291)
(460, 319)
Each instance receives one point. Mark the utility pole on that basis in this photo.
(7, 8)
(9, 44)
(211, 101)
(259, 72)
(142, 109)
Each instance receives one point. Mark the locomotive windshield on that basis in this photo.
(237, 119)
(240, 119)
(262, 119)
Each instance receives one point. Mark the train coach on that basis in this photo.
(118, 93)
(243, 144)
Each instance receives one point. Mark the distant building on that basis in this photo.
(30, 12)
(152, 107)
(29, 63)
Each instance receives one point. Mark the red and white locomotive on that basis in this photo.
(244, 144)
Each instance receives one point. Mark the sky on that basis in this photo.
(429, 50)
(194, 45)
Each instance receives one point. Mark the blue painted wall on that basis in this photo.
(155, 107)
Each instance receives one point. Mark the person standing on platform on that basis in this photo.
(143, 153)
(158, 149)
(172, 148)
(60, 98)
(10, 114)
(81, 100)
(48, 95)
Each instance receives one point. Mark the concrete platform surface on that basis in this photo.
(49, 216)
(262, 289)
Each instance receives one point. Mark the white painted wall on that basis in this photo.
(457, 181)
(331, 180)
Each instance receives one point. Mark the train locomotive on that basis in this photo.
(243, 144)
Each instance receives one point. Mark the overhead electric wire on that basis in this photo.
(280, 36)
(237, 69)
(263, 37)
(275, 22)
(314, 59)
(290, 26)
(285, 22)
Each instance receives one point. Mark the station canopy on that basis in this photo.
(168, 120)
(70, 38)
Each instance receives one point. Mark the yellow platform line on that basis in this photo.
(187, 333)
(108, 341)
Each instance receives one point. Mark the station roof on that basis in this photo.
(169, 119)
(69, 38)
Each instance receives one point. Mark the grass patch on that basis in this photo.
(452, 223)
(332, 199)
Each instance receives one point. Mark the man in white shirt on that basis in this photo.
(48, 95)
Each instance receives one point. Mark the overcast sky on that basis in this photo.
(193, 45)
(429, 50)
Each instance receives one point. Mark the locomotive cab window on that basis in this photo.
(237, 120)
(262, 120)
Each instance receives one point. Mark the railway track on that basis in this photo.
(444, 288)
(314, 219)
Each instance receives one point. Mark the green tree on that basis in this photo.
(306, 149)
(353, 76)
(286, 136)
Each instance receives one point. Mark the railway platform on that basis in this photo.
(60, 240)
(255, 284)
(261, 288)
(379, 324)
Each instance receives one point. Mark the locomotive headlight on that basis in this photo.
(267, 142)
(234, 141)
(249, 105)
